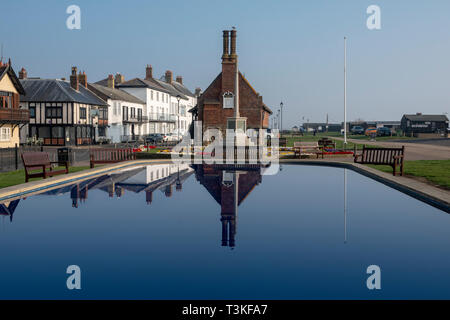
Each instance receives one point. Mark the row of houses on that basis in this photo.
(58, 112)
(77, 112)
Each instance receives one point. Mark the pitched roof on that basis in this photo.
(172, 90)
(113, 93)
(56, 90)
(180, 87)
(426, 117)
(143, 83)
(8, 70)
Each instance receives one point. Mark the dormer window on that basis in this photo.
(228, 100)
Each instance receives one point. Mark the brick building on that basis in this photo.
(216, 106)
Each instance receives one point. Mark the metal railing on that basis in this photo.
(164, 117)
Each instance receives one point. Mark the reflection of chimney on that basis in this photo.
(119, 79)
(83, 79)
(111, 189)
(148, 72)
(119, 192)
(180, 79)
(168, 191)
(74, 79)
(179, 186)
(23, 74)
(111, 81)
(168, 76)
(149, 197)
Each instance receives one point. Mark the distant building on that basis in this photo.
(125, 112)
(63, 113)
(417, 124)
(322, 127)
(216, 106)
(11, 115)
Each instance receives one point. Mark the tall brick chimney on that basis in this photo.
(229, 61)
(148, 72)
(233, 45)
(23, 74)
(119, 78)
(82, 78)
(74, 79)
(111, 81)
(168, 76)
(180, 79)
(226, 45)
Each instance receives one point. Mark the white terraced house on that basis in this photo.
(161, 97)
(157, 102)
(126, 117)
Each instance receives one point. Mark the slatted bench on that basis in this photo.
(102, 155)
(326, 143)
(383, 156)
(33, 161)
(302, 147)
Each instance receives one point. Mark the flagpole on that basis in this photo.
(345, 92)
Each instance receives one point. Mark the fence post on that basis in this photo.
(17, 157)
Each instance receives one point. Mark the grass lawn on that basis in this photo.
(339, 144)
(435, 171)
(13, 178)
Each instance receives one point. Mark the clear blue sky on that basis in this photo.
(288, 50)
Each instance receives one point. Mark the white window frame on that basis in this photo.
(5, 134)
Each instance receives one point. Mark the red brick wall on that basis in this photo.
(211, 110)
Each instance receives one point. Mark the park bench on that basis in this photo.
(326, 143)
(302, 147)
(282, 142)
(33, 161)
(383, 156)
(102, 155)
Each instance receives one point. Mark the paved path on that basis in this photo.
(413, 151)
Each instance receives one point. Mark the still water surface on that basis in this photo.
(168, 232)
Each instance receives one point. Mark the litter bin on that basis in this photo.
(63, 156)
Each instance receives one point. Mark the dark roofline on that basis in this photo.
(10, 71)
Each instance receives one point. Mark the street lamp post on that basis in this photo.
(178, 133)
(281, 108)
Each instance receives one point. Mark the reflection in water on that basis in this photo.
(229, 186)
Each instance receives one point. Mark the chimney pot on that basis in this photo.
(119, 78)
(111, 81)
(74, 79)
(233, 43)
(23, 74)
(198, 92)
(180, 79)
(148, 72)
(226, 45)
(169, 76)
(82, 78)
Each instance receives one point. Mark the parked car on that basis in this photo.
(383, 131)
(357, 130)
(371, 131)
(154, 138)
(173, 137)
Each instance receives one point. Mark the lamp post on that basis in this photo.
(178, 133)
(281, 108)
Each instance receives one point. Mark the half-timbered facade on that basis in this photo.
(62, 112)
(12, 117)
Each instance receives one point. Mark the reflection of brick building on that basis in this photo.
(213, 108)
(229, 188)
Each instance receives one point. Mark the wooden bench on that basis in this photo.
(326, 143)
(383, 156)
(33, 161)
(301, 147)
(101, 155)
